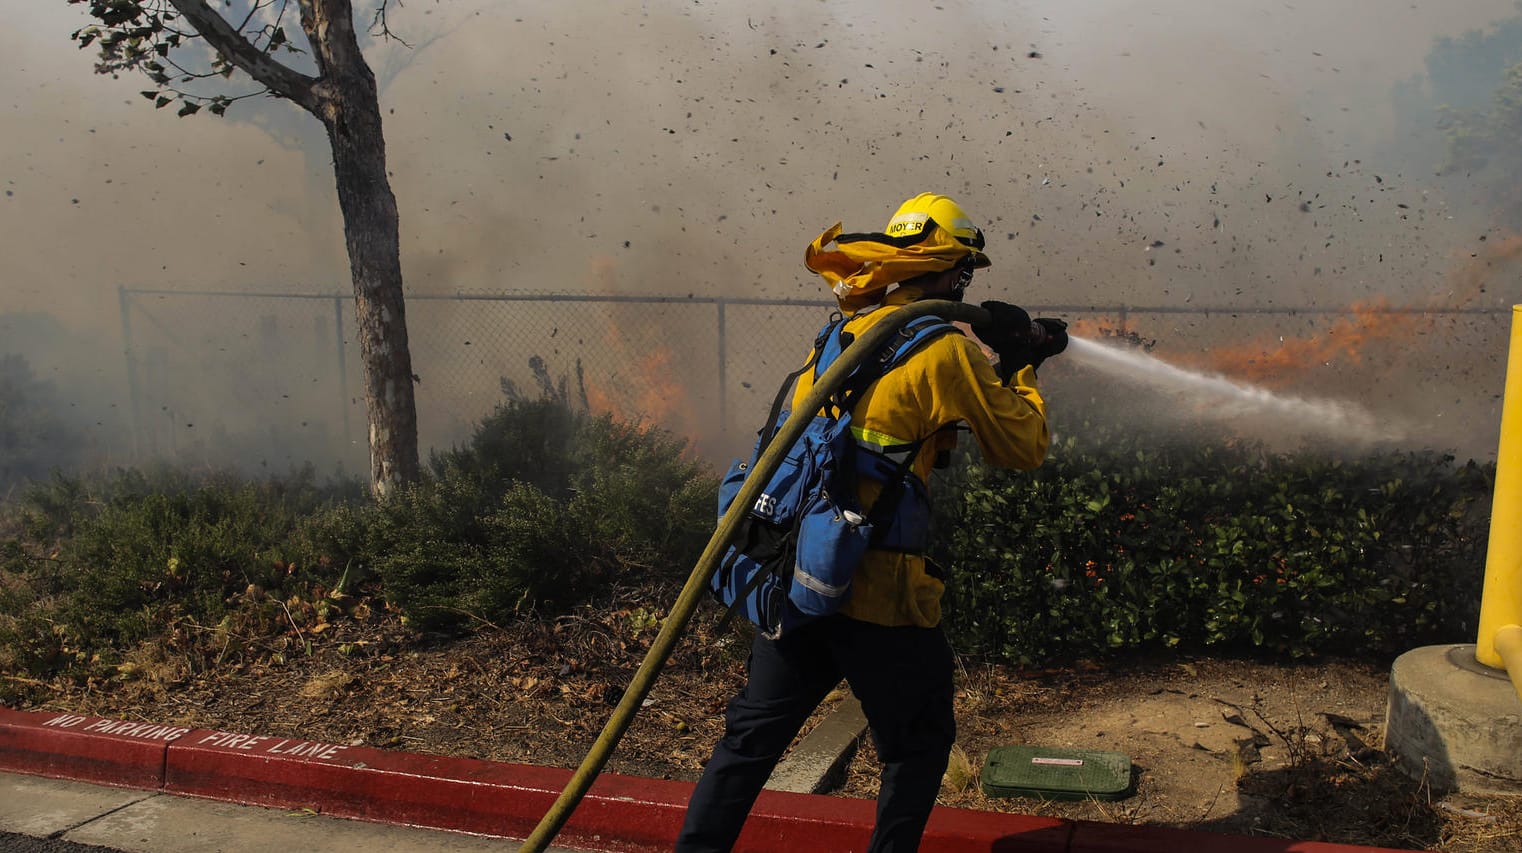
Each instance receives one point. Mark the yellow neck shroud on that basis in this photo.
(861, 267)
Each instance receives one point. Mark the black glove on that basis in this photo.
(1008, 334)
(1055, 339)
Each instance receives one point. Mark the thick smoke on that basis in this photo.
(1128, 161)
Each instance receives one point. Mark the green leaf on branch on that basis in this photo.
(1242, 548)
(187, 108)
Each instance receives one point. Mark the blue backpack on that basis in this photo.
(796, 550)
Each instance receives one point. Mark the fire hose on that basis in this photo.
(697, 583)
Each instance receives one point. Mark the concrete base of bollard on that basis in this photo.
(1455, 722)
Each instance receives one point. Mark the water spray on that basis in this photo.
(1225, 398)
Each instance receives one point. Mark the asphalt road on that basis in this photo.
(12, 842)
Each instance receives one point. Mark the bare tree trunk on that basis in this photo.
(349, 107)
(370, 231)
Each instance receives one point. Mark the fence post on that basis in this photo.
(131, 364)
(343, 371)
(723, 385)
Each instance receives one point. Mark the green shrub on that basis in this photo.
(100, 564)
(545, 507)
(1119, 541)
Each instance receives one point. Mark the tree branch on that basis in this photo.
(259, 65)
(379, 26)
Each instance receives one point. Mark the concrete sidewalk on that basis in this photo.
(121, 819)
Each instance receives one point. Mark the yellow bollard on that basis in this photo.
(1501, 601)
(1509, 647)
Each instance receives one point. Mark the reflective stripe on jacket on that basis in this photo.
(948, 381)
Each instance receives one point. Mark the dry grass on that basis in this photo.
(961, 772)
(1481, 824)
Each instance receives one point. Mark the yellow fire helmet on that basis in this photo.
(928, 233)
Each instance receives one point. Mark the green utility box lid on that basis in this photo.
(1056, 774)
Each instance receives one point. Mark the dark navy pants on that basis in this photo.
(902, 676)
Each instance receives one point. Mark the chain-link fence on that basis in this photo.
(268, 381)
(262, 380)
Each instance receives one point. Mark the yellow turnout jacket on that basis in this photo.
(947, 381)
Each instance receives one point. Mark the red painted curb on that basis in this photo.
(464, 794)
(953, 830)
(621, 813)
(86, 749)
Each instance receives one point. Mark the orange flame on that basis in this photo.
(1343, 342)
(1346, 341)
(645, 388)
(649, 394)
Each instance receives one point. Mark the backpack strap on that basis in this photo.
(750, 587)
(910, 339)
(769, 431)
(893, 489)
(914, 335)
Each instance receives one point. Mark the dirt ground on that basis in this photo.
(1248, 747)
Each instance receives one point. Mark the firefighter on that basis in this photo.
(886, 641)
